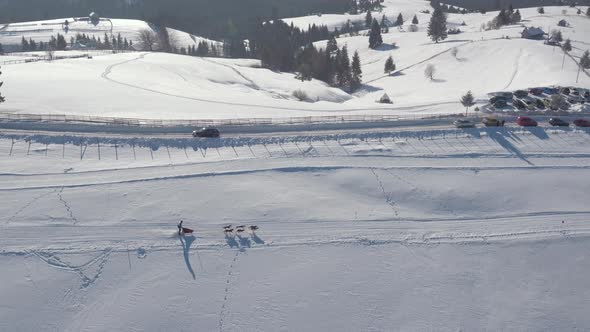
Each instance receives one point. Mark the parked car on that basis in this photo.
(550, 91)
(519, 104)
(500, 103)
(582, 123)
(540, 104)
(491, 122)
(520, 93)
(536, 91)
(565, 91)
(206, 132)
(461, 123)
(557, 122)
(525, 121)
(495, 99)
(575, 99)
(574, 92)
(587, 94)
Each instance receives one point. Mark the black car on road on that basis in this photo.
(206, 132)
(557, 122)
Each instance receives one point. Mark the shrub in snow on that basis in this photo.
(413, 28)
(541, 10)
(389, 66)
(300, 95)
(429, 71)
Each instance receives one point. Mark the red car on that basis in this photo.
(525, 121)
(582, 123)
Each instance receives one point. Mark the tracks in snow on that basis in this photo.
(515, 72)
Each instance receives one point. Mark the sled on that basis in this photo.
(187, 230)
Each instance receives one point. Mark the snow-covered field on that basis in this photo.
(12, 34)
(484, 229)
(420, 227)
(164, 86)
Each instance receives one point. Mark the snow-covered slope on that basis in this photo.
(169, 86)
(11, 34)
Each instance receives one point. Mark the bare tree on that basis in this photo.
(454, 52)
(429, 71)
(147, 39)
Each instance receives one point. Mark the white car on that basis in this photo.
(463, 124)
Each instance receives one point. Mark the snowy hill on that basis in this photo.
(11, 34)
(169, 86)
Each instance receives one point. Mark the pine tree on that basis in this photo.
(415, 20)
(588, 12)
(467, 100)
(357, 73)
(515, 18)
(107, 43)
(384, 27)
(1, 97)
(375, 39)
(368, 19)
(1, 49)
(61, 42)
(400, 20)
(584, 63)
(344, 74)
(126, 44)
(32, 45)
(332, 45)
(24, 45)
(585, 60)
(567, 46)
(389, 66)
(437, 27)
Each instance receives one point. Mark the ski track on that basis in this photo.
(516, 66)
(190, 175)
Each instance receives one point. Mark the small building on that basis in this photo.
(533, 33)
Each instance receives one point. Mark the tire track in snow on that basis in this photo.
(253, 84)
(224, 306)
(516, 65)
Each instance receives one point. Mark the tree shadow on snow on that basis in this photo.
(187, 241)
(499, 135)
(438, 80)
(538, 132)
(386, 47)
